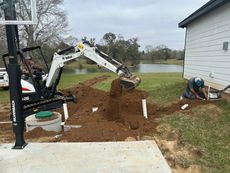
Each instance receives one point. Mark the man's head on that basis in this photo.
(198, 81)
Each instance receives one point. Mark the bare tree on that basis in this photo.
(2, 39)
(148, 48)
(52, 23)
(71, 40)
(3, 48)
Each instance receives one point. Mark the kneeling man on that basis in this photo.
(195, 89)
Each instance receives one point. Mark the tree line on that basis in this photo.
(52, 26)
(161, 52)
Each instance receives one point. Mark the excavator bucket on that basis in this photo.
(130, 82)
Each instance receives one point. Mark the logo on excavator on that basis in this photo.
(68, 57)
(80, 46)
(26, 98)
(13, 111)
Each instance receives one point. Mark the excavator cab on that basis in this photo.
(32, 79)
(35, 95)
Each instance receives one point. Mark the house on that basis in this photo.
(207, 44)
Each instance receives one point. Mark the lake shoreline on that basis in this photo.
(140, 68)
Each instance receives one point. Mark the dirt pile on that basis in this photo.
(118, 115)
(113, 106)
(39, 132)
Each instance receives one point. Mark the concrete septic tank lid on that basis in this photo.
(86, 157)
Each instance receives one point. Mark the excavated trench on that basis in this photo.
(119, 115)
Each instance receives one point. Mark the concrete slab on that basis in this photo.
(96, 157)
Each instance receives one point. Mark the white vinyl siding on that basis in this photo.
(204, 54)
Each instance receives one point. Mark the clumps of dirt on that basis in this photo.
(116, 89)
(122, 103)
(113, 110)
(113, 107)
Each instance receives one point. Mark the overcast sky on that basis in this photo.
(153, 22)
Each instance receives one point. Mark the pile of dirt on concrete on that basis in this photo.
(118, 116)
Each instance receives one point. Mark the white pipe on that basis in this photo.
(66, 114)
(6, 122)
(144, 107)
(209, 91)
(94, 109)
(184, 106)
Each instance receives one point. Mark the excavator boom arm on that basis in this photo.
(128, 80)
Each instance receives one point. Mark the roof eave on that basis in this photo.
(209, 6)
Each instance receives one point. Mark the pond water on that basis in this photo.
(141, 68)
(157, 68)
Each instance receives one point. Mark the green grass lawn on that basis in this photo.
(70, 80)
(4, 96)
(162, 87)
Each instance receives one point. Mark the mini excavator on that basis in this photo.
(39, 90)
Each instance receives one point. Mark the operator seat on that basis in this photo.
(37, 73)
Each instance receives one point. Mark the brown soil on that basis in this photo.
(113, 107)
(39, 132)
(4, 112)
(6, 133)
(176, 106)
(119, 115)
